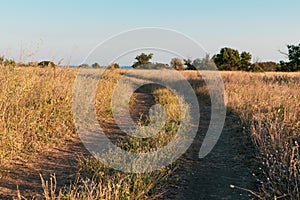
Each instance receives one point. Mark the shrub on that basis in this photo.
(263, 67)
(113, 66)
(177, 63)
(46, 64)
(96, 65)
(84, 65)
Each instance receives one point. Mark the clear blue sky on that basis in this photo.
(69, 29)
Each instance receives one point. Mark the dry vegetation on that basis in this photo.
(36, 113)
(268, 104)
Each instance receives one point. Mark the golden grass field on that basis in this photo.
(36, 114)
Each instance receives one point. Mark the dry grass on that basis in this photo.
(99, 182)
(162, 96)
(96, 181)
(36, 113)
(268, 104)
(105, 91)
(35, 110)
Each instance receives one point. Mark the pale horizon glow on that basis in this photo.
(54, 30)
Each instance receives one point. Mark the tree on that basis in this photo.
(95, 65)
(245, 60)
(227, 59)
(294, 59)
(294, 55)
(177, 63)
(188, 63)
(203, 64)
(142, 59)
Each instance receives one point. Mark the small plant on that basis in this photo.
(50, 190)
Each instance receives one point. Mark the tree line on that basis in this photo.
(227, 59)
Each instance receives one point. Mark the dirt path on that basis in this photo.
(230, 163)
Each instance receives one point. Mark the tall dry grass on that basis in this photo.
(268, 104)
(36, 113)
(35, 110)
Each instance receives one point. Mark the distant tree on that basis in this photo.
(245, 61)
(177, 63)
(153, 66)
(189, 65)
(197, 63)
(113, 66)
(95, 65)
(227, 59)
(203, 64)
(294, 59)
(263, 67)
(84, 65)
(142, 59)
(161, 66)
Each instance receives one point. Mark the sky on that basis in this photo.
(35, 30)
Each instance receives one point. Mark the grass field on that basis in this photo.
(268, 104)
(36, 114)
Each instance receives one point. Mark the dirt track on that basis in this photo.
(230, 163)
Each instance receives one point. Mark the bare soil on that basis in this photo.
(26, 176)
(232, 161)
